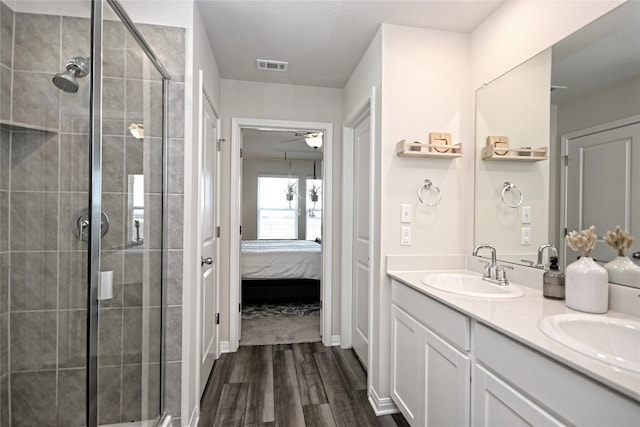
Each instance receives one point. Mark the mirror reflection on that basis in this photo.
(564, 129)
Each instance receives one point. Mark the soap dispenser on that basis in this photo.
(553, 281)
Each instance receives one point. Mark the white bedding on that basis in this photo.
(280, 259)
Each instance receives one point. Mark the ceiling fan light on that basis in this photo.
(314, 141)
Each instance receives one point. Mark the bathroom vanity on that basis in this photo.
(460, 360)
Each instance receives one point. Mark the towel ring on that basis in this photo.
(428, 184)
(508, 187)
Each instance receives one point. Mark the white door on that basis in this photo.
(208, 221)
(603, 172)
(361, 238)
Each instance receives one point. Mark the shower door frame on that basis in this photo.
(95, 198)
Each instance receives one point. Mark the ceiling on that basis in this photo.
(268, 144)
(323, 41)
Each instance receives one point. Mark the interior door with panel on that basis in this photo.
(361, 240)
(208, 232)
(604, 199)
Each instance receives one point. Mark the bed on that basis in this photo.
(280, 270)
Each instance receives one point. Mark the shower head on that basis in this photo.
(76, 67)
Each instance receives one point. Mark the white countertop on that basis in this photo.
(518, 318)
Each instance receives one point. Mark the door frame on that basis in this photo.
(366, 107)
(237, 124)
(205, 97)
(564, 145)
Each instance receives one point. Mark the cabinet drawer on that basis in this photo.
(448, 323)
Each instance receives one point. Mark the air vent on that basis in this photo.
(268, 65)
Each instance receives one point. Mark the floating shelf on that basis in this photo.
(419, 149)
(23, 127)
(515, 154)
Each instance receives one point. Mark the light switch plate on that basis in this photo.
(405, 213)
(405, 236)
(525, 236)
(526, 214)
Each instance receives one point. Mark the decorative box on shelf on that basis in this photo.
(522, 154)
(419, 149)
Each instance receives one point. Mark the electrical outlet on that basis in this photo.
(405, 213)
(526, 214)
(405, 236)
(525, 236)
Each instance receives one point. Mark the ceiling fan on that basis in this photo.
(313, 139)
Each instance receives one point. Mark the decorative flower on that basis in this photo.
(584, 241)
(619, 240)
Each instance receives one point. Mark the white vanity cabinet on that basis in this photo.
(465, 368)
(430, 370)
(515, 385)
(496, 403)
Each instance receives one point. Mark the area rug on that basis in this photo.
(280, 330)
(290, 309)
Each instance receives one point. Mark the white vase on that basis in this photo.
(587, 286)
(623, 271)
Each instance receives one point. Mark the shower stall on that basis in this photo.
(85, 197)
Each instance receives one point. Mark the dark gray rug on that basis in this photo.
(280, 330)
(294, 309)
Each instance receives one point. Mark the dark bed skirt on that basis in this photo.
(257, 290)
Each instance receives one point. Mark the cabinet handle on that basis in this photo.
(636, 255)
(207, 261)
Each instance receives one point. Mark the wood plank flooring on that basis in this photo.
(293, 385)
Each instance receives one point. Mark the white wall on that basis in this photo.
(242, 99)
(514, 105)
(424, 89)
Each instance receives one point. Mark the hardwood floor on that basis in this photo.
(293, 385)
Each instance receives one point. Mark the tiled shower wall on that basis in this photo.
(6, 55)
(43, 182)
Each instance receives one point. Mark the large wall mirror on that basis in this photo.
(550, 107)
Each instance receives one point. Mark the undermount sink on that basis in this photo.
(611, 340)
(470, 285)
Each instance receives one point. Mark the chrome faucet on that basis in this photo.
(540, 264)
(492, 272)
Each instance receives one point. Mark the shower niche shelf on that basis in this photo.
(514, 154)
(23, 127)
(419, 149)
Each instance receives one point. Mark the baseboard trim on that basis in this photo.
(224, 347)
(382, 405)
(335, 340)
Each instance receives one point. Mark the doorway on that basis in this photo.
(282, 191)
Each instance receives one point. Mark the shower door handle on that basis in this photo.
(207, 261)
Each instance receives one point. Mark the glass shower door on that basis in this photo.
(131, 256)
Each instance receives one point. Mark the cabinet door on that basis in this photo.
(446, 384)
(405, 352)
(495, 403)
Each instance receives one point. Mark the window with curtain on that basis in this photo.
(277, 215)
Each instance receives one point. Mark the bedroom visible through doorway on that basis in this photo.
(281, 244)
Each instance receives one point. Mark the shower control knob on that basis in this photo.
(207, 261)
